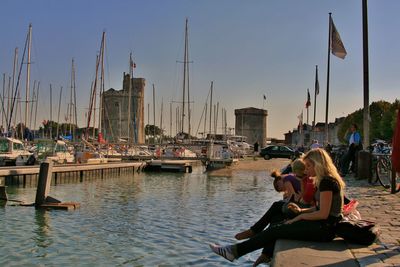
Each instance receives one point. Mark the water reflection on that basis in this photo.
(42, 230)
(147, 219)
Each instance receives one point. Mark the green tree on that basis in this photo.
(382, 115)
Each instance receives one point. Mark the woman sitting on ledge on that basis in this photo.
(312, 224)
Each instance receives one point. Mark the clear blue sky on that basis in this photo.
(248, 48)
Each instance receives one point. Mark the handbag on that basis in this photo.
(357, 231)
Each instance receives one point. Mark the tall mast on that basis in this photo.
(75, 114)
(188, 77)
(130, 99)
(184, 76)
(3, 99)
(33, 101)
(101, 111)
(58, 116)
(170, 119)
(37, 100)
(51, 113)
(154, 115)
(69, 112)
(211, 95)
(15, 66)
(162, 104)
(92, 98)
(28, 74)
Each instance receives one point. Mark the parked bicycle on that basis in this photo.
(337, 154)
(382, 164)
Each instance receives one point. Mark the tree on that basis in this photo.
(383, 116)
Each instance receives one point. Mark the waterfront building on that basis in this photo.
(252, 123)
(298, 138)
(119, 113)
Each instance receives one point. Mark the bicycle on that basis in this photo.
(337, 154)
(383, 169)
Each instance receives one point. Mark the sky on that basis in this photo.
(247, 48)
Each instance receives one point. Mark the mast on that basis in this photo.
(3, 99)
(188, 77)
(37, 100)
(211, 95)
(184, 76)
(76, 115)
(170, 119)
(162, 109)
(15, 66)
(51, 113)
(58, 116)
(102, 49)
(129, 99)
(28, 74)
(154, 115)
(69, 112)
(92, 98)
(33, 101)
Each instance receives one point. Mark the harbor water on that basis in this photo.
(140, 219)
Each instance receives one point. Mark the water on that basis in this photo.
(147, 219)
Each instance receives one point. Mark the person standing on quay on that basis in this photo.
(255, 149)
(355, 145)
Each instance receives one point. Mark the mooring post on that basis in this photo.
(43, 188)
(3, 193)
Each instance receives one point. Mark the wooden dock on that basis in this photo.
(28, 174)
(160, 165)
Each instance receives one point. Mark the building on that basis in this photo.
(116, 113)
(298, 138)
(252, 123)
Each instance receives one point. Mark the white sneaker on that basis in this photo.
(225, 251)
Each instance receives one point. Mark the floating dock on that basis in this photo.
(160, 165)
(27, 175)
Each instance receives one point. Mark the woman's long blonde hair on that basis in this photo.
(323, 166)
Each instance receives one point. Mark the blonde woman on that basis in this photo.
(312, 224)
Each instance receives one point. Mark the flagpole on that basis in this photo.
(327, 80)
(315, 96)
(308, 106)
(366, 74)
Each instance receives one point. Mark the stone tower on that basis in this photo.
(115, 113)
(252, 123)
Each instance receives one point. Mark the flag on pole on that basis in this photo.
(316, 81)
(336, 45)
(308, 103)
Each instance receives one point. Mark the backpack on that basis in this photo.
(356, 231)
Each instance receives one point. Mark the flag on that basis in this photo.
(336, 45)
(316, 81)
(265, 98)
(308, 103)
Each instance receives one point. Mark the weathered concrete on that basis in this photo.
(303, 253)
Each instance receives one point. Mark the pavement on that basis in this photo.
(375, 204)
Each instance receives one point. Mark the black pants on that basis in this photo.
(319, 231)
(350, 157)
(273, 214)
